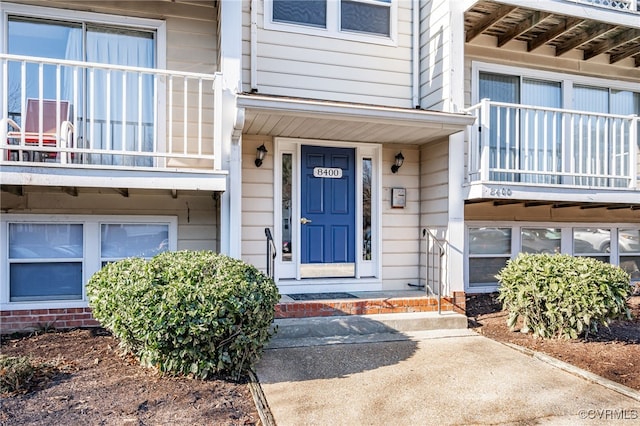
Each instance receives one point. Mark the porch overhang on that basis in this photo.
(513, 193)
(36, 174)
(327, 120)
(588, 31)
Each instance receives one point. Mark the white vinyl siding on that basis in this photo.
(257, 200)
(434, 199)
(197, 213)
(400, 226)
(317, 67)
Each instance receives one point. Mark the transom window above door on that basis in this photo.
(364, 20)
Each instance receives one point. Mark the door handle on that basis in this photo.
(304, 220)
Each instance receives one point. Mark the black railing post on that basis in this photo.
(271, 253)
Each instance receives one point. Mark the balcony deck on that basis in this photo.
(79, 124)
(526, 152)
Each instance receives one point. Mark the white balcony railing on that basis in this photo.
(627, 5)
(98, 115)
(552, 147)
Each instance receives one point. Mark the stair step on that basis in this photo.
(375, 327)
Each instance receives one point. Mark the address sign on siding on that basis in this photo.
(327, 172)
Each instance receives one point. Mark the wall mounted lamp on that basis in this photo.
(398, 163)
(261, 151)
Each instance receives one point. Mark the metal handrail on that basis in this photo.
(271, 253)
(432, 257)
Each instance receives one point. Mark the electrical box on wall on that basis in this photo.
(398, 198)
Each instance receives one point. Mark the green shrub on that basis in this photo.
(561, 295)
(16, 373)
(188, 312)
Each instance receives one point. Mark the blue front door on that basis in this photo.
(327, 224)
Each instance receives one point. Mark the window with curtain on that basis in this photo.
(109, 106)
(523, 140)
(489, 250)
(45, 261)
(600, 132)
(50, 260)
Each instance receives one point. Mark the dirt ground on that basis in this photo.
(89, 383)
(612, 353)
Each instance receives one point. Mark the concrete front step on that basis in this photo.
(293, 332)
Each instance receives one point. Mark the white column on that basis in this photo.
(231, 68)
(456, 233)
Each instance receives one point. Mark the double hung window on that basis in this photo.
(51, 260)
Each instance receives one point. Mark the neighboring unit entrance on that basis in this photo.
(327, 212)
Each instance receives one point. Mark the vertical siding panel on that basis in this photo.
(435, 48)
(257, 200)
(400, 227)
(310, 66)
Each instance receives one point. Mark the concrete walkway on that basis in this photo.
(443, 377)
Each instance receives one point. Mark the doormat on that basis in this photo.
(321, 296)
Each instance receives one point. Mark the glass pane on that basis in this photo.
(116, 46)
(592, 99)
(45, 241)
(540, 240)
(40, 38)
(489, 240)
(45, 281)
(629, 241)
(367, 18)
(503, 137)
(591, 240)
(483, 270)
(310, 12)
(133, 240)
(500, 88)
(366, 208)
(624, 102)
(631, 265)
(287, 180)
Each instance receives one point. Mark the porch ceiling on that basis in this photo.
(555, 204)
(314, 119)
(593, 30)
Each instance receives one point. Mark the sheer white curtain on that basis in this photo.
(541, 131)
(129, 117)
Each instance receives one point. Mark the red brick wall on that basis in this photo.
(39, 319)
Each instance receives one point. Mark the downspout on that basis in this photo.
(415, 85)
(254, 46)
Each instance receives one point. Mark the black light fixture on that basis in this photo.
(398, 163)
(260, 153)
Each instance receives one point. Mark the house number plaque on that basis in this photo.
(327, 172)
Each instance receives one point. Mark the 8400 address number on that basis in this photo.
(500, 192)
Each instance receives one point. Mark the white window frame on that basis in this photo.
(567, 80)
(368, 273)
(566, 243)
(91, 261)
(66, 15)
(333, 24)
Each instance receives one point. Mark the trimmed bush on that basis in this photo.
(189, 312)
(561, 295)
